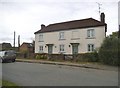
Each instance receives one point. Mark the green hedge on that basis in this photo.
(92, 57)
(109, 57)
(109, 51)
(87, 57)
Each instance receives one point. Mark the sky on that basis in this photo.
(119, 13)
(26, 16)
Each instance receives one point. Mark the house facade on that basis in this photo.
(72, 37)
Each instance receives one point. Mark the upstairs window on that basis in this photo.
(90, 33)
(61, 35)
(91, 47)
(41, 37)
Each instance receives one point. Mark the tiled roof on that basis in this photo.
(28, 44)
(84, 23)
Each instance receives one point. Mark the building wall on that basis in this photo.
(53, 38)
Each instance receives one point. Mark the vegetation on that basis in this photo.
(7, 84)
(108, 52)
(92, 57)
(41, 56)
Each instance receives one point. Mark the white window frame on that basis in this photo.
(91, 47)
(61, 35)
(61, 48)
(41, 38)
(41, 49)
(90, 33)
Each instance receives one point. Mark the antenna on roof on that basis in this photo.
(99, 7)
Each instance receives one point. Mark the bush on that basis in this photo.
(92, 57)
(37, 57)
(87, 57)
(108, 52)
(41, 56)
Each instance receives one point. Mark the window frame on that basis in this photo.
(91, 33)
(90, 47)
(41, 38)
(61, 35)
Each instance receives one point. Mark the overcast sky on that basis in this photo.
(26, 16)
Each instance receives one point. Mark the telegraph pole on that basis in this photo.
(119, 32)
(14, 40)
(18, 42)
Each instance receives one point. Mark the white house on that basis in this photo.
(78, 36)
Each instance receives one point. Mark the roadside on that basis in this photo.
(84, 65)
(8, 84)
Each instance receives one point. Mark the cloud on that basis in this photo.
(26, 16)
(119, 13)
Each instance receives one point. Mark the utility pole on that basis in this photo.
(18, 42)
(99, 7)
(14, 40)
(119, 32)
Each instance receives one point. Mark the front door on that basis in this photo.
(50, 49)
(75, 48)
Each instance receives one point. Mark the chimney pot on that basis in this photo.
(42, 26)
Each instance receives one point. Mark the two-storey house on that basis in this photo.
(72, 37)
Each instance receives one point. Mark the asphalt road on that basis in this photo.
(33, 74)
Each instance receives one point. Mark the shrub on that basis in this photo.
(37, 57)
(108, 52)
(41, 56)
(92, 57)
(88, 57)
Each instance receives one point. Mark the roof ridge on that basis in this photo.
(72, 21)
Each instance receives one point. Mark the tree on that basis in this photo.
(109, 50)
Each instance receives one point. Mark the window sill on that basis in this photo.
(40, 41)
(61, 52)
(90, 38)
(62, 39)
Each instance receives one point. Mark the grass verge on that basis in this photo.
(8, 84)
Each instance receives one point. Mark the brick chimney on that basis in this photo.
(102, 17)
(42, 26)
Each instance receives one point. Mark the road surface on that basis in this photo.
(34, 74)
